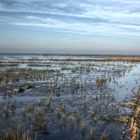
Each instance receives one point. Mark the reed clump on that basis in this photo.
(15, 134)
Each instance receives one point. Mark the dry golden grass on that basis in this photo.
(123, 58)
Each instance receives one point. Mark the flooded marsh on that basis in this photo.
(58, 97)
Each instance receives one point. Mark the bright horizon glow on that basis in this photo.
(72, 26)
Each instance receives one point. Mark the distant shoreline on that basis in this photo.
(63, 54)
(78, 57)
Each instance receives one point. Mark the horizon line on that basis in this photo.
(69, 54)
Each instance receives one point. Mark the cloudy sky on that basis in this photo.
(70, 26)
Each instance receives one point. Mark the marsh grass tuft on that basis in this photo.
(15, 134)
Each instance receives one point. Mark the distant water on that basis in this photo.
(55, 54)
(33, 56)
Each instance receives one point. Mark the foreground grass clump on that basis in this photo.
(133, 119)
(101, 82)
(14, 134)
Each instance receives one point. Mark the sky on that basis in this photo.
(70, 26)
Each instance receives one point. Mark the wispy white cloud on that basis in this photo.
(79, 16)
(80, 27)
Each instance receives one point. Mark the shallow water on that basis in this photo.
(56, 78)
(127, 84)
